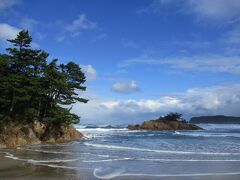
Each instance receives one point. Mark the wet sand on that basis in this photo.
(11, 169)
(17, 170)
(228, 177)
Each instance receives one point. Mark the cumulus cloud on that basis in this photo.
(8, 32)
(210, 63)
(5, 4)
(89, 71)
(81, 23)
(224, 99)
(125, 87)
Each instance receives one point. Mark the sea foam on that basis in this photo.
(155, 150)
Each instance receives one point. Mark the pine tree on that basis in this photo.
(25, 64)
(32, 89)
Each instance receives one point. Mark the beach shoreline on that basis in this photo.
(120, 154)
(19, 170)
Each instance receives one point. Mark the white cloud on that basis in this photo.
(210, 63)
(215, 9)
(207, 9)
(8, 32)
(224, 64)
(224, 99)
(81, 23)
(5, 4)
(76, 28)
(125, 87)
(89, 71)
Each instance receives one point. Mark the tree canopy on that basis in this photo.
(31, 88)
(173, 117)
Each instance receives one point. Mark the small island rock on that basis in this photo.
(172, 121)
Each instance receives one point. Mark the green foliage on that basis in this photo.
(55, 117)
(33, 89)
(22, 40)
(173, 117)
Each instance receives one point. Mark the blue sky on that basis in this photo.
(142, 58)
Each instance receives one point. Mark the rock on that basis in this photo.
(14, 135)
(2, 144)
(39, 128)
(18, 135)
(159, 125)
(61, 134)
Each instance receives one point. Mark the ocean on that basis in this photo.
(117, 153)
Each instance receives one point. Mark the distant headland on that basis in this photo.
(218, 119)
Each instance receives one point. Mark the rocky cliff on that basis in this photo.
(14, 135)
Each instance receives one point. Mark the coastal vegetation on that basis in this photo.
(36, 95)
(172, 117)
(33, 88)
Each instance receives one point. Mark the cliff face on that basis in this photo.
(220, 119)
(159, 125)
(21, 135)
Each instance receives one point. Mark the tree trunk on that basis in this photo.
(39, 110)
(12, 103)
(43, 113)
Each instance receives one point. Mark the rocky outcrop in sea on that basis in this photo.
(164, 123)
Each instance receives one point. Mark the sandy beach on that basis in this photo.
(14, 169)
(55, 163)
(17, 170)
